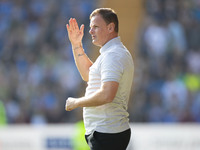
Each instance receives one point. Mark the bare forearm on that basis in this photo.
(104, 95)
(82, 61)
(97, 99)
(75, 35)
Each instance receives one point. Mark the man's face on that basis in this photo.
(98, 30)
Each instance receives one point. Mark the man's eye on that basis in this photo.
(93, 27)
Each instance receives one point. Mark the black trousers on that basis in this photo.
(108, 141)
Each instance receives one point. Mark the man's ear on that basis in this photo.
(111, 27)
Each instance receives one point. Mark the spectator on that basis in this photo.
(170, 47)
(34, 59)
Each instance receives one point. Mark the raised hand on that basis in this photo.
(74, 33)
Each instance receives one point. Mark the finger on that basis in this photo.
(82, 28)
(67, 26)
(75, 24)
(71, 23)
(66, 108)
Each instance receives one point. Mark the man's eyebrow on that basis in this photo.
(94, 25)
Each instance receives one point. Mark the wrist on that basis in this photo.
(80, 102)
(76, 46)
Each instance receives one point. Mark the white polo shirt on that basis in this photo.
(114, 64)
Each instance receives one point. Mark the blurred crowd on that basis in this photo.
(168, 63)
(37, 70)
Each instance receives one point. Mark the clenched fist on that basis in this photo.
(70, 104)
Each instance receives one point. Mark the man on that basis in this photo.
(109, 82)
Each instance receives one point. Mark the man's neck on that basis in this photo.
(112, 36)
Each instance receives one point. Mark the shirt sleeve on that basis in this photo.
(111, 68)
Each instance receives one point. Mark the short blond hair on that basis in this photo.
(109, 16)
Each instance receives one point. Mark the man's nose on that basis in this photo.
(90, 31)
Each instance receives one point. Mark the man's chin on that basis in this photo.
(96, 43)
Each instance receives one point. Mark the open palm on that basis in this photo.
(74, 33)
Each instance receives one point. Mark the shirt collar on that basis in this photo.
(114, 41)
